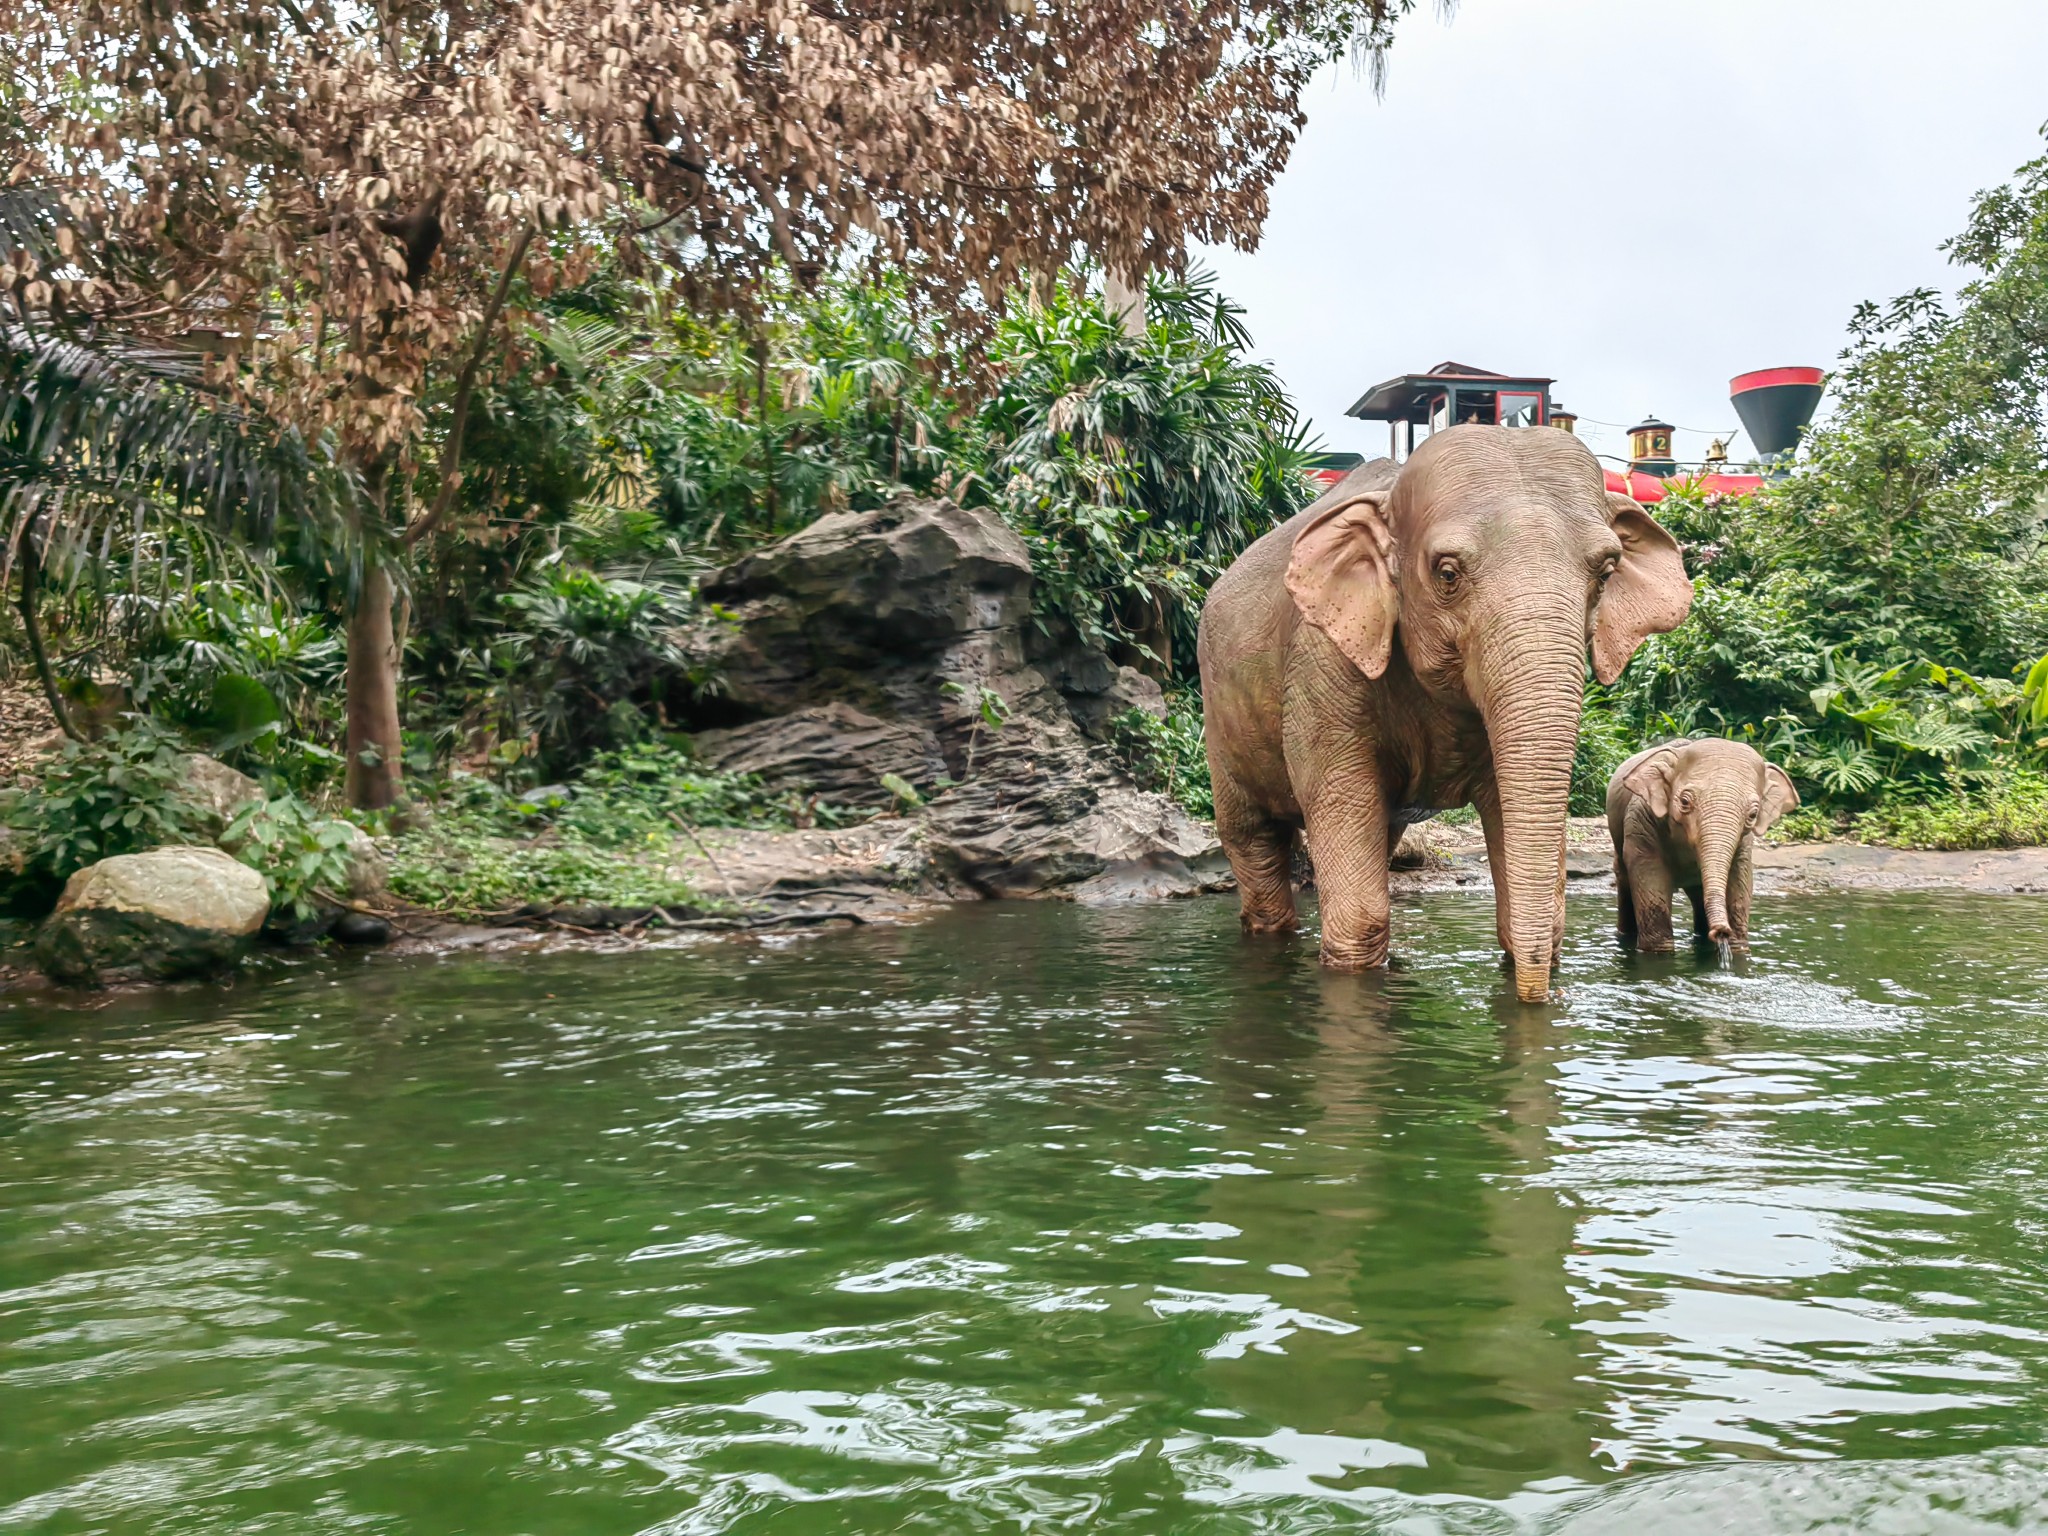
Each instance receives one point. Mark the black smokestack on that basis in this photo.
(1775, 405)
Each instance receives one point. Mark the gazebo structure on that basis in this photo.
(1451, 394)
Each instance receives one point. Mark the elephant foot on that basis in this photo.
(1532, 981)
(1267, 926)
(1654, 946)
(1370, 958)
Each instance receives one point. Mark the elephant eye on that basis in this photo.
(1607, 569)
(1752, 815)
(1685, 800)
(1447, 574)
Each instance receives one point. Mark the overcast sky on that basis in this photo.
(1640, 198)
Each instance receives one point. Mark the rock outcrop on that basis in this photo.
(903, 641)
(833, 751)
(154, 916)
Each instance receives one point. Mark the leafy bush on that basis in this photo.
(584, 658)
(1167, 755)
(1605, 743)
(252, 676)
(122, 794)
(302, 856)
(2006, 810)
(1137, 468)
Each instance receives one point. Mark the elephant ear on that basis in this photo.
(1647, 594)
(1342, 579)
(1650, 781)
(1779, 795)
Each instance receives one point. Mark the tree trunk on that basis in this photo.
(769, 497)
(1125, 298)
(31, 624)
(374, 747)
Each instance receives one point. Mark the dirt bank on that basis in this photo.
(886, 869)
(1441, 857)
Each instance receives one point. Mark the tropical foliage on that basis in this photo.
(357, 271)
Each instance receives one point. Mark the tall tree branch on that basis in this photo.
(465, 390)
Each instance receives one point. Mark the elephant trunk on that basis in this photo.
(1531, 705)
(1720, 840)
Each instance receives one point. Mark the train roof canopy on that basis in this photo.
(1408, 397)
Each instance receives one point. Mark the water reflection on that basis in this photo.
(1037, 1218)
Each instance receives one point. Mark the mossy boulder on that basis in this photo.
(156, 916)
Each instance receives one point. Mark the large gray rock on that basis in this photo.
(886, 636)
(873, 609)
(157, 916)
(831, 750)
(216, 788)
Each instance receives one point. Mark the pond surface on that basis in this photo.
(1035, 1218)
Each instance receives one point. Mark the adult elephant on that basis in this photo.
(1494, 555)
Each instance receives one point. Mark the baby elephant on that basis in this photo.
(1686, 815)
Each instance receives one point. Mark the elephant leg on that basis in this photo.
(1624, 903)
(1697, 895)
(1650, 885)
(1741, 887)
(1347, 841)
(1557, 919)
(1261, 854)
(1486, 800)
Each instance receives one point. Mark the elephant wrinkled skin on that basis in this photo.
(1686, 816)
(1413, 641)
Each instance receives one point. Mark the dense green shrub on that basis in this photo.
(1605, 743)
(251, 676)
(1137, 468)
(2004, 810)
(302, 855)
(1167, 755)
(130, 792)
(124, 793)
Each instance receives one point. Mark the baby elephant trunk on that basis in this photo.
(1717, 912)
(1720, 842)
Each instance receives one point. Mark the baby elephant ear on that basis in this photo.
(1779, 795)
(1648, 593)
(1650, 781)
(1342, 579)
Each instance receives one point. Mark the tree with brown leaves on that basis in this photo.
(352, 204)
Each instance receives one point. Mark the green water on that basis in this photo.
(1035, 1218)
